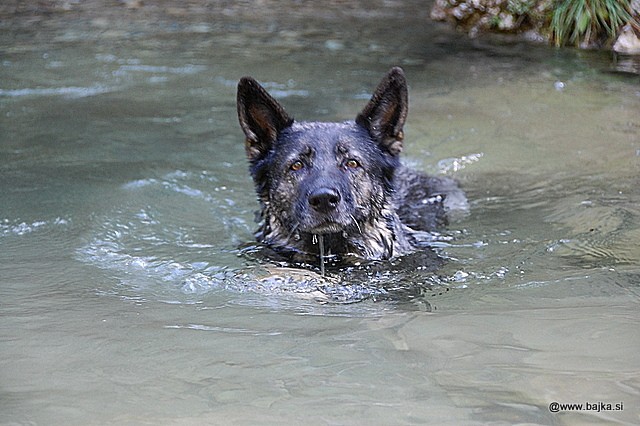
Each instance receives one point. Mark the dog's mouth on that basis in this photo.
(332, 223)
(326, 228)
(333, 226)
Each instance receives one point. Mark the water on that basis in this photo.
(129, 290)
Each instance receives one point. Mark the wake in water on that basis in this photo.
(183, 248)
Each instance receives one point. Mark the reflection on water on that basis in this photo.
(131, 290)
(627, 64)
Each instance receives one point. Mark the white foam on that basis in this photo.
(22, 228)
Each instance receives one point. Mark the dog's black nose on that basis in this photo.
(323, 200)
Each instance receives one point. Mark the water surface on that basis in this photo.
(126, 296)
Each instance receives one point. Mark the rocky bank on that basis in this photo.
(529, 18)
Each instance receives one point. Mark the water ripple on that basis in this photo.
(154, 69)
(68, 92)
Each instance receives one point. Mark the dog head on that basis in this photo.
(324, 178)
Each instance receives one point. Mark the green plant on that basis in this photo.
(584, 21)
(520, 7)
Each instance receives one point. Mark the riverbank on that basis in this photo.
(602, 24)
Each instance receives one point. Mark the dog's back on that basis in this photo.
(340, 183)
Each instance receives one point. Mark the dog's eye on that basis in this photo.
(297, 166)
(352, 164)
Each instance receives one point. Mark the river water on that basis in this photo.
(128, 295)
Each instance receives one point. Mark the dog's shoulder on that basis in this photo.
(424, 202)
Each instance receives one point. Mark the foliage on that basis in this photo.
(585, 21)
(520, 7)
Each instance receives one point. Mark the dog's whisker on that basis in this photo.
(356, 223)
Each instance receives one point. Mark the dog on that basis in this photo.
(339, 189)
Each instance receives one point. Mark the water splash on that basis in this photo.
(452, 165)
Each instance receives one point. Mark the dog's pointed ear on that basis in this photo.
(261, 117)
(386, 112)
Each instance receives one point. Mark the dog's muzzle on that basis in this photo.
(324, 200)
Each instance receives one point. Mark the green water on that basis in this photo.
(125, 199)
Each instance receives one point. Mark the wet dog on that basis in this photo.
(339, 189)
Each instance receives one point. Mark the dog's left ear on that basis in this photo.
(261, 117)
(386, 112)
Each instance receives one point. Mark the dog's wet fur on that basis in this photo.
(340, 184)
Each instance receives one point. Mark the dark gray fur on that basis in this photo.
(343, 181)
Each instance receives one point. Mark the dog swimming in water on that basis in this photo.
(339, 190)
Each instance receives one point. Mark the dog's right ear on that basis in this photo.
(261, 117)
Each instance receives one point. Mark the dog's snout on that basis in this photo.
(324, 200)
